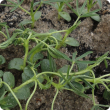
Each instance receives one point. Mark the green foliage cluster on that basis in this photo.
(49, 42)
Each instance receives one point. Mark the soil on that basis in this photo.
(92, 35)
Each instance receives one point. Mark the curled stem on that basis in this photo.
(31, 95)
(54, 99)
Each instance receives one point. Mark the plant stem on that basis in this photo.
(54, 99)
(68, 32)
(31, 95)
(26, 53)
(32, 15)
(23, 84)
(58, 47)
(24, 10)
(3, 34)
(58, 31)
(93, 96)
(33, 21)
(38, 7)
(13, 95)
(26, 45)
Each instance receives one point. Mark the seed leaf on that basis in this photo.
(100, 3)
(65, 15)
(9, 79)
(8, 101)
(37, 15)
(45, 65)
(16, 63)
(96, 18)
(1, 73)
(5, 106)
(96, 107)
(2, 60)
(25, 22)
(78, 86)
(26, 75)
(2, 91)
(106, 94)
(23, 93)
(71, 41)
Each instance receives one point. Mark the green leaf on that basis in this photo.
(106, 63)
(2, 90)
(16, 63)
(1, 84)
(36, 57)
(45, 65)
(28, 74)
(83, 7)
(37, 15)
(78, 86)
(106, 94)
(77, 91)
(59, 54)
(84, 55)
(71, 41)
(25, 22)
(74, 11)
(100, 3)
(36, 3)
(1, 73)
(8, 101)
(52, 64)
(2, 60)
(87, 83)
(4, 107)
(91, 13)
(64, 69)
(82, 66)
(96, 18)
(9, 79)
(65, 15)
(86, 62)
(16, 6)
(77, 7)
(23, 93)
(96, 107)
(74, 56)
(58, 6)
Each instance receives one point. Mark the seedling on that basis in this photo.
(48, 42)
(68, 80)
(60, 6)
(34, 15)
